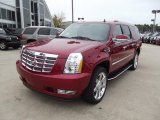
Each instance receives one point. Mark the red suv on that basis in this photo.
(80, 60)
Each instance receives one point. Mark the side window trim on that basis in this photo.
(129, 31)
(115, 27)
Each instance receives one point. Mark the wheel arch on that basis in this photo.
(138, 50)
(104, 63)
(31, 40)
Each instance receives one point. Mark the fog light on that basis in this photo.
(59, 91)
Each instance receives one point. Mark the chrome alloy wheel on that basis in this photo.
(100, 87)
(2, 45)
(136, 61)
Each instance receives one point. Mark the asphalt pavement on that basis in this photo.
(135, 95)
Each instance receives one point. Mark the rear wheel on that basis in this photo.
(97, 87)
(135, 62)
(3, 45)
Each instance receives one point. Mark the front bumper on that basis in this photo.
(158, 42)
(49, 84)
(13, 43)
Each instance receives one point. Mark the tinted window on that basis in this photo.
(117, 31)
(47, 14)
(126, 31)
(17, 3)
(13, 16)
(94, 31)
(1, 25)
(135, 32)
(27, 21)
(44, 31)
(4, 25)
(18, 17)
(4, 15)
(29, 30)
(9, 15)
(54, 32)
(2, 32)
(26, 4)
(0, 13)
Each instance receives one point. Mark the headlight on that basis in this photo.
(155, 38)
(22, 49)
(74, 63)
(8, 38)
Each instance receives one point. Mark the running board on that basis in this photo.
(120, 73)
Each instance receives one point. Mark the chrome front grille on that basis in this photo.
(37, 61)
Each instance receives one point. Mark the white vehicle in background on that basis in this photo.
(34, 33)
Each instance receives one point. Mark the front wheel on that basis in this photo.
(97, 86)
(135, 62)
(3, 45)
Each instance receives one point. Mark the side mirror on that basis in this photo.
(122, 37)
(57, 34)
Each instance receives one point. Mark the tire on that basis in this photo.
(134, 62)
(3, 45)
(97, 86)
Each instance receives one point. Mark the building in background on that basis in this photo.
(23, 13)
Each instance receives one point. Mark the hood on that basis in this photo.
(5, 36)
(63, 47)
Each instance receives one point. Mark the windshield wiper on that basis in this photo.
(83, 38)
(62, 37)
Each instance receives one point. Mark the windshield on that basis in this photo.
(2, 32)
(86, 31)
(155, 34)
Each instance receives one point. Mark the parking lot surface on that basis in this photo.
(135, 95)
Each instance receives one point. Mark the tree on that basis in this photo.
(147, 28)
(58, 20)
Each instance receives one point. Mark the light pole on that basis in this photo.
(155, 12)
(72, 12)
(153, 25)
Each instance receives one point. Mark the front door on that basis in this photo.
(119, 50)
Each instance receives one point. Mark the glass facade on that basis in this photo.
(23, 13)
(8, 15)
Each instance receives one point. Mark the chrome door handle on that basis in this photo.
(107, 50)
(133, 44)
(125, 47)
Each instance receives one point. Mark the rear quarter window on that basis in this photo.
(29, 30)
(44, 31)
(135, 32)
(54, 32)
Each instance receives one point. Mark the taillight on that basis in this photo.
(20, 36)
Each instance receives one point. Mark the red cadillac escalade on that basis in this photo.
(81, 60)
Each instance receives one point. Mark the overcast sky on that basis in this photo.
(132, 11)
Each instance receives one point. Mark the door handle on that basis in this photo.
(124, 47)
(133, 45)
(107, 50)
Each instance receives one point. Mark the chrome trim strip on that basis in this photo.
(120, 73)
(121, 59)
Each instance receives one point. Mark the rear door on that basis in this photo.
(44, 34)
(130, 45)
(28, 34)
